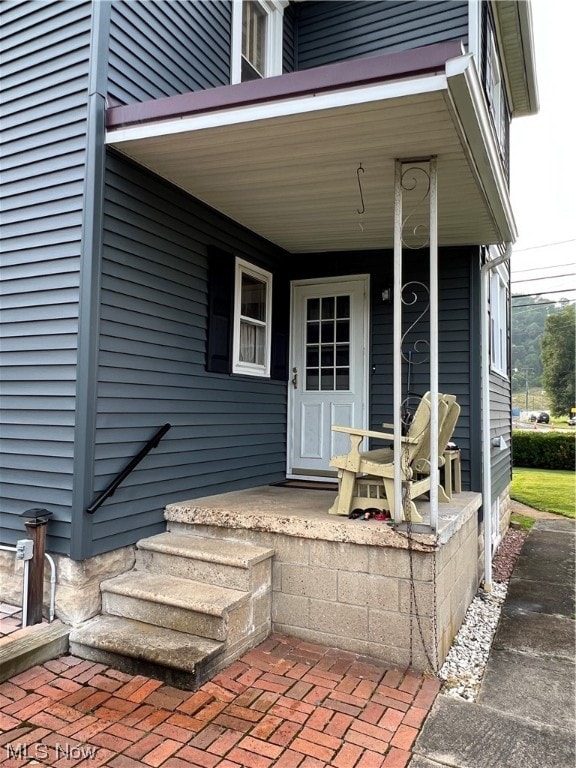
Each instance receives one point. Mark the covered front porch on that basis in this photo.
(392, 152)
(386, 173)
(397, 593)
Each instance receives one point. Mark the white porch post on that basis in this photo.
(397, 335)
(485, 411)
(428, 166)
(434, 458)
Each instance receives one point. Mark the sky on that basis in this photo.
(543, 161)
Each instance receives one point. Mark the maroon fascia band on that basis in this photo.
(345, 74)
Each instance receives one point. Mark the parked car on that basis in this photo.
(572, 421)
(540, 417)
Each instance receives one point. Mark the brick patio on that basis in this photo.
(287, 703)
(10, 619)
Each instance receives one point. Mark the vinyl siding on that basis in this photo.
(500, 417)
(166, 47)
(333, 30)
(228, 432)
(290, 28)
(501, 425)
(45, 64)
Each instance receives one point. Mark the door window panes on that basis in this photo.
(327, 343)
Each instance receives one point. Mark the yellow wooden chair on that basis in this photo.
(366, 478)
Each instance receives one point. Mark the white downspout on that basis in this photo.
(485, 409)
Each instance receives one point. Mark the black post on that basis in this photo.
(36, 522)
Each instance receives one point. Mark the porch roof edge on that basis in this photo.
(478, 136)
(345, 74)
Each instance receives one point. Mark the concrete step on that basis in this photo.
(135, 647)
(224, 563)
(180, 604)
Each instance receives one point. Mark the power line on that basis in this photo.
(542, 293)
(545, 245)
(551, 308)
(543, 304)
(556, 266)
(544, 277)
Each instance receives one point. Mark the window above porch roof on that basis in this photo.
(280, 155)
(256, 39)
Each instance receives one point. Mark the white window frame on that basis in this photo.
(498, 323)
(274, 10)
(495, 86)
(474, 27)
(238, 366)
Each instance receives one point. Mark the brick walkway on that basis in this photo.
(287, 703)
(10, 619)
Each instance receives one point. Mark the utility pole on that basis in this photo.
(526, 372)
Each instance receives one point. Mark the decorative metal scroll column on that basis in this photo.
(434, 458)
(397, 332)
(417, 229)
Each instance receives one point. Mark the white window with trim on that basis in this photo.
(494, 86)
(256, 39)
(252, 319)
(499, 323)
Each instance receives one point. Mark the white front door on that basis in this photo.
(328, 370)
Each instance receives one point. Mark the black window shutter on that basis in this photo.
(220, 311)
(280, 327)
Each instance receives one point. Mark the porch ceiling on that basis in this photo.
(286, 168)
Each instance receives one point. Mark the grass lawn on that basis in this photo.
(550, 490)
(523, 521)
(561, 422)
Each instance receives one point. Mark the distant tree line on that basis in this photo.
(558, 348)
(542, 353)
(528, 322)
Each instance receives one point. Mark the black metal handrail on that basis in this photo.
(152, 443)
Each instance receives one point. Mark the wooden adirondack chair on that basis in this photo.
(366, 479)
(446, 428)
(421, 464)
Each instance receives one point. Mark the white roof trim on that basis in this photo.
(467, 101)
(517, 36)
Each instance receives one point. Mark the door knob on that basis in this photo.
(295, 378)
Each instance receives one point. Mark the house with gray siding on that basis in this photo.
(250, 221)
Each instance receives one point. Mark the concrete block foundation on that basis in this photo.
(355, 585)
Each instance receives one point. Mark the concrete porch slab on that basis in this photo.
(304, 513)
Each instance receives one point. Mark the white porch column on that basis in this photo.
(418, 218)
(434, 458)
(397, 334)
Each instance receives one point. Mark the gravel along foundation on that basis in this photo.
(462, 672)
